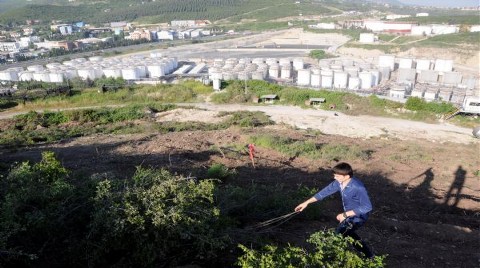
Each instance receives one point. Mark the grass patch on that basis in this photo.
(309, 149)
(410, 154)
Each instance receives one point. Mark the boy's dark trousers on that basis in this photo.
(347, 228)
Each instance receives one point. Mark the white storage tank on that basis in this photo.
(352, 70)
(142, 70)
(69, 63)
(315, 70)
(35, 68)
(353, 83)
(286, 71)
(387, 61)
(336, 67)
(244, 61)
(56, 77)
(258, 60)
(298, 64)
(25, 76)
(340, 80)
(156, 70)
(384, 73)
(41, 76)
(327, 81)
(423, 65)
(96, 59)
(347, 62)
(70, 73)
(16, 69)
(112, 72)
(327, 72)
(244, 76)
(130, 73)
(406, 63)
(9, 75)
(284, 61)
(53, 65)
(366, 80)
(274, 71)
(87, 73)
(229, 76)
(303, 78)
(156, 55)
(80, 60)
(325, 63)
(258, 75)
(316, 80)
(216, 75)
(217, 84)
(376, 77)
(443, 65)
(271, 61)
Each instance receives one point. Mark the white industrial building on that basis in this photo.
(475, 28)
(396, 16)
(389, 26)
(326, 26)
(10, 46)
(367, 38)
(421, 30)
(165, 35)
(444, 29)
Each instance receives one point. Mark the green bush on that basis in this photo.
(330, 250)
(246, 119)
(295, 148)
(41, 217)
(154, 218)
(319, 54)
(220, 171)
(417, 104)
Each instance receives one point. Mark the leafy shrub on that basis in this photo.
(39, 209)
(220, 171)
(417, 104)
(155, 218)
(320, 54)
(343, 152)
(246, 119)
(295, 148)
(330, 250)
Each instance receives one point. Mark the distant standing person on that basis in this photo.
(356, 204)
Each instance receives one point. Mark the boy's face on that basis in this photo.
(340, 178)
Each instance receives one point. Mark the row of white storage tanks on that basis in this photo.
(441, 65)
(327, 78)
(296, 63)
(127, 68)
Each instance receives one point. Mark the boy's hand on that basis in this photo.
(301, 207)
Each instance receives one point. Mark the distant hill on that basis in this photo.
(96, 12)
(156, 11)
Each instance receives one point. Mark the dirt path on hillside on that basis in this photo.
(335, 123)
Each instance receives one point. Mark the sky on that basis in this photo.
(443, 3)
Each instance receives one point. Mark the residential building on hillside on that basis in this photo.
(10, 46)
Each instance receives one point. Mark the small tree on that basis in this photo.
(330, 250)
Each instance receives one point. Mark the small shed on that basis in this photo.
(314, 101)
(266, 99)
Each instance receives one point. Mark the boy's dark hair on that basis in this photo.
(343, 169)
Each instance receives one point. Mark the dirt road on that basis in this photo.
(335, 123)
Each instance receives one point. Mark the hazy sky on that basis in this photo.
(443, 3)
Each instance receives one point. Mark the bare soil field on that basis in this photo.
(426, 195)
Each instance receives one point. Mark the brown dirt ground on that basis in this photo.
(425, 196)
